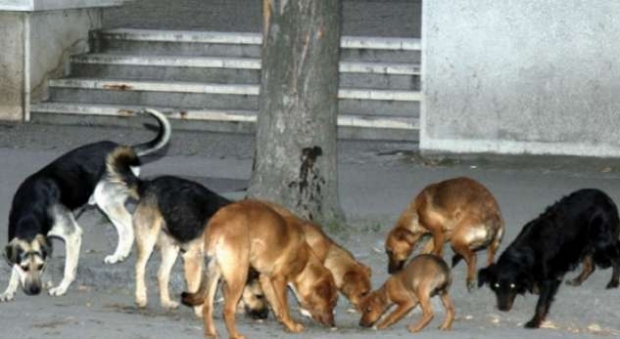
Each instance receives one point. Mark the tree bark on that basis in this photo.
(295, 160)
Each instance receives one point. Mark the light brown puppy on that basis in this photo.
(352, 277)
(460, 211)
(250, 234)
(424, 277)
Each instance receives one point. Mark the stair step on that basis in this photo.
(347, 42)
(236, 63)
(245, 45)
(350, 125)
(202, 88)
(350, 120)
(233, 70)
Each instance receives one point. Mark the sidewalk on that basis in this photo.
(376, 181)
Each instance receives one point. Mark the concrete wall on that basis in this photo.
(11, 66)
(38, 36)
(539, 77)
(59, 34)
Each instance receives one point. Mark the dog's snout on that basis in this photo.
(328, 320)
(33, 290)
(364, 323)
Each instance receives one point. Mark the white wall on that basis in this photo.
(528, 76)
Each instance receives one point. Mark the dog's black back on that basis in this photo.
(186, 206)
(584, 224)
(69, 180)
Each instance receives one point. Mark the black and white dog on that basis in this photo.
(582, 227)
(44, 205)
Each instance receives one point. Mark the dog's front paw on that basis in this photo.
(613, 284)
(8, 296)
(573, 282)
(57, 291)
(534, 323)
(295, 327)
(114, 258)
(170, 305)
(141, 300)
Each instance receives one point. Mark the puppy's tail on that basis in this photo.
(162, 138)
(195, 298)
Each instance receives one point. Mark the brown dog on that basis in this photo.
(460, 211)
(424, 277)
(251, 234)
(352, 277)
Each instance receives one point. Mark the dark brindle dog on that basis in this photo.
(44, 203)
(581, 227)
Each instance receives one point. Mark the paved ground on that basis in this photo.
(376, 181)
(390, 18)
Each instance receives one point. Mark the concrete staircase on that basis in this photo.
(210, 81)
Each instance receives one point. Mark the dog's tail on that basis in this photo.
(162, 138)
(122, 167)
(198, 297)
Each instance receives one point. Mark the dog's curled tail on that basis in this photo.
(122, 166)
(195, 298)
(162, 138)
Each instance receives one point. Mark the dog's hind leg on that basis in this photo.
(234, 265)
(447, 304)
(66, 228)
(147, 226)
(110, 198)
(9, 293)
(193, 263)
(212, 275)
(494, 246)
(461, 247)
(169, 253)
(615, 264)
(588, 268)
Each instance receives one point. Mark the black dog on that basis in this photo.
(581, 227)
(44, 206)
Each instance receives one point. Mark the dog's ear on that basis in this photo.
(323, 290)
(402, 234)
(486, 275)
(10, 254)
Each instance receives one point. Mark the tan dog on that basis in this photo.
(460, 211)
(352, 277)
(251, 234)
(424, 277)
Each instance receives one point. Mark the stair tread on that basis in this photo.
(212, 88)
(251, 38)
(351, 120)
(234, 62)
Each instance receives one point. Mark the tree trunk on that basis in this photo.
(295, 160)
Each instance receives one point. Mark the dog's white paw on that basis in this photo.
(57, 291)
(4, 297)
(198, 311)
(141, 301)
(170, 305)
(114, 258)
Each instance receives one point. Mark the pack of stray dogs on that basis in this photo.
(260, 249)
